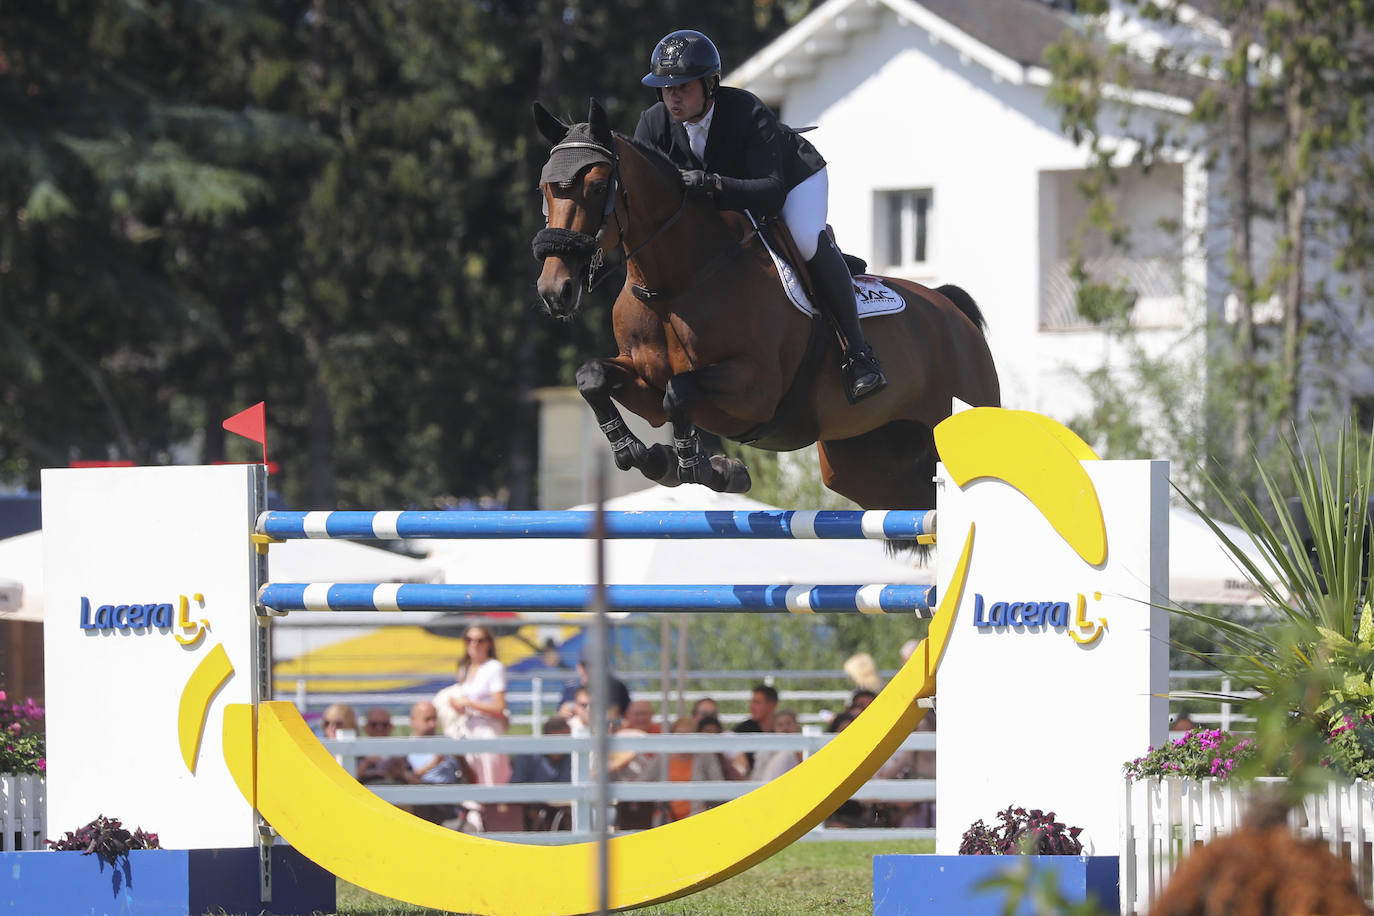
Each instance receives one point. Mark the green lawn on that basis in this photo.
(805, 878)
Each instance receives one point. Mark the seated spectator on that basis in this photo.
(620, 694)
(713, 766)
(634, 766)
(377, 724)
(339, 721)
(640, 715)
(861, 700)
(769, 765)
(762, 704)
(580, 720)
(432, 769)
(555, 767)
(702, 708)
(546, 768)
(680, 767)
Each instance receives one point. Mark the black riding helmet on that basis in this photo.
(681, 57)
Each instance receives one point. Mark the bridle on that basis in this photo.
(555, 240)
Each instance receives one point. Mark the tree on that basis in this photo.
(1277, 110)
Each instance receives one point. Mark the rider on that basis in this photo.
(751, 161)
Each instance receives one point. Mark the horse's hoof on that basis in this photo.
(733, 472)
(660, 466)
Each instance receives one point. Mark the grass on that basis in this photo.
(825, 877)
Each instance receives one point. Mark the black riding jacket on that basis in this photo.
(758, 158)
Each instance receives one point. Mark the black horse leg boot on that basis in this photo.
(863, 375)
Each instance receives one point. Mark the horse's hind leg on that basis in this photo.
(694, 465)
(891, 467)
(596, 380)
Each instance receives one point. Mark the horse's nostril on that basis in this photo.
(566, 291)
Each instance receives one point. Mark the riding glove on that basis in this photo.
(696, 181)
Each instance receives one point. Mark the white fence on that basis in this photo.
(23, 813)
(581, 792)
(1165, 819)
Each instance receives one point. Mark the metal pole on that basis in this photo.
(681, 665)
(601, 693)
(665, 631)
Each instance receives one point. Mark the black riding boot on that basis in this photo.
(863, 375)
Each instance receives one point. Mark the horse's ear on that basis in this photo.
(598, 122)
(553, 129)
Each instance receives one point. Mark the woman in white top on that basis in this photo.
(475, 707)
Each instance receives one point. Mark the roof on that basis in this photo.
(1006, 37)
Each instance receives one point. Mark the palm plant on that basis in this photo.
(1310, 661)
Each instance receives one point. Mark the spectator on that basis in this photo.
(640, 715)
(377, 724)
(635, 766)
(762, 703)
(908, 649)
(475, 707)
(863, 671)
(702, 708)
(545, 768)
(430, 769)
(713, 766)
(556, 767)
(339, 721)
(861, 700)
(620, 694)
(1181, 725)
(580, 720)
(680, 767)
(769, 765)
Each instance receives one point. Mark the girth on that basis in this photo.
(794, 425)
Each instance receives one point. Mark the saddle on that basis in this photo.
(778, 236)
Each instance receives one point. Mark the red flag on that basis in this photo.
(251, 424)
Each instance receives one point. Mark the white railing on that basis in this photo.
(581, 792)
(1165, 819)
(23, 812)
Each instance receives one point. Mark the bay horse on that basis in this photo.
(708, 337)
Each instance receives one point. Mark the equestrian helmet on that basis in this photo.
(681, 57)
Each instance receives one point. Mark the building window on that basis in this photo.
(902, 234)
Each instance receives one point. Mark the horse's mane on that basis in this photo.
(657, 158)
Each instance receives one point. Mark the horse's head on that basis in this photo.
(578, 185)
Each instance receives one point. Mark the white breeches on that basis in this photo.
(805, 211)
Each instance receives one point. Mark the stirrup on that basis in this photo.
(863, 375)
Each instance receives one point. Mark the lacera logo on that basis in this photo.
(1053, 614)
(147, 616)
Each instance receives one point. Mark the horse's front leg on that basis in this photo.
(597, 379)
(722, 474)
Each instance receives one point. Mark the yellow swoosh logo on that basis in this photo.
(320, 809)
(1038, 457)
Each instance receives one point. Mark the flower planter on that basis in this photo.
(162, 882)
(949, 884)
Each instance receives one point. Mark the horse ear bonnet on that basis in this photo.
(575, 152)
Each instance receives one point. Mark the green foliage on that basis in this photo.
(324, 205)
(1309, 662)
(1199, 754)
(23, 741)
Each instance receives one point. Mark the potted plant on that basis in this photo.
(1027, 855)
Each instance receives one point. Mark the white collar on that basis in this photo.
(704, 125)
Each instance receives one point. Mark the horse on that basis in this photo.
(708, 339)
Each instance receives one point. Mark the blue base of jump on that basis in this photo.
(161, 882)
(949, 884)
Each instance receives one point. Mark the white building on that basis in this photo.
(948, 165)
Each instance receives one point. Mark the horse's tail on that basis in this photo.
(965, 304)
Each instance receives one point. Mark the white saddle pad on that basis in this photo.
(871, 295)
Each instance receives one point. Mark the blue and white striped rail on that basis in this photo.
(890, 524)
(703, 599)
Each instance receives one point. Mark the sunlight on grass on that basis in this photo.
(805, 878)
